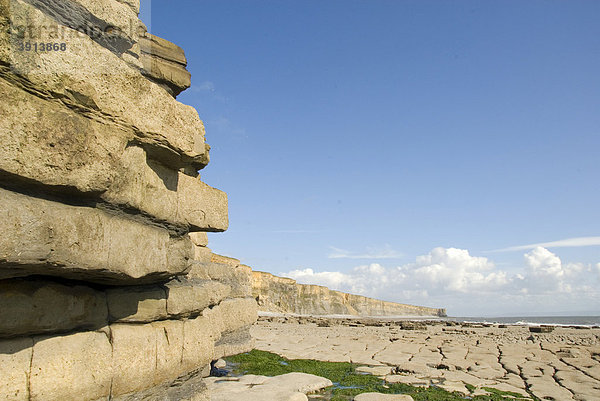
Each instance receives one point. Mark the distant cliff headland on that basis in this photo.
(285, 295)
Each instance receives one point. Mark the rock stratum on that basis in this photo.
(285, 295)
(107, 287)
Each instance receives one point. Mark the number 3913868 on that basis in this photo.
(42, 47)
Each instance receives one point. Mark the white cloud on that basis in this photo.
(206, 86)
(454, 269)
(327, 279)
(543, 263)
(372, 253)
(568, 242)
(467, 284)
(547, 273)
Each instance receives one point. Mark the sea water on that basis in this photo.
(535, 320)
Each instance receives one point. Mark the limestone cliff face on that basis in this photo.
(107, 287)
(284, 295)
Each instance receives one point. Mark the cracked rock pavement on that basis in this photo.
(563, 365)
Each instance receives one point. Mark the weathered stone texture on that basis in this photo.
(91, 243)
(53, 145)
(108, 89)
(34, 307)
(63, 366)
(199, 239)
(104, 213)
(15, 362)
(136, 304)
(186, 298)
(238, 278)
(199, 343)
(233, 343)
(164, 62)
(134, 360)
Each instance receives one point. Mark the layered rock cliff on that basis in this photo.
(284, 295)
(107, 287)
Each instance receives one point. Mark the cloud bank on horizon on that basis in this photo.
(471, 285)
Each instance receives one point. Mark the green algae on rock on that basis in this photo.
(347, 381)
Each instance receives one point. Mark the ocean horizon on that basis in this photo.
(533, 320)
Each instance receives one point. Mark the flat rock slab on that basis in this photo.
(382, 397)
(562, 365)
(51, 238)
(375, 370)
(288, 387)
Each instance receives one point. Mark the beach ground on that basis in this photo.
(562, 364)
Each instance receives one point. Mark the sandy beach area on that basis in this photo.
(563, 364)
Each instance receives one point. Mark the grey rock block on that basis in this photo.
(83, 360)
(238, 278)
(136, 304)
(39, 306)
(164, 62)
(189, 297)
(52, 148)
(50, 238)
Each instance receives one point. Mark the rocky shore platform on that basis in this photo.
(556, 363)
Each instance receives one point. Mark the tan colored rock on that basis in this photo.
(199, 239)
(164, 62)
(238, 278)
(375, 370)
(410, 379)
(167, 194)
(133, 4)
(147, 355)
(15, 363)
(78, 364)
(39, 306)
(134, 357)
(169, 350)
(118, 15)
(284, 295)
(136, 304)
(199, 343)
(54, 146)
(90, 243)
(162, 48)
(546, 388)
(232, 314)
(185, 388)
(109, 89)
(185, 297)
(224, 260)
(234, 343)
(202, 255)
(288, 387)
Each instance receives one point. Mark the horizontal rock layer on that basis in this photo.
(104, 293)
(122, 359)
(61, 150)
(52, 238)
(284, 295)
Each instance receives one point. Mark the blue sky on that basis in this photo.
(361, 141)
